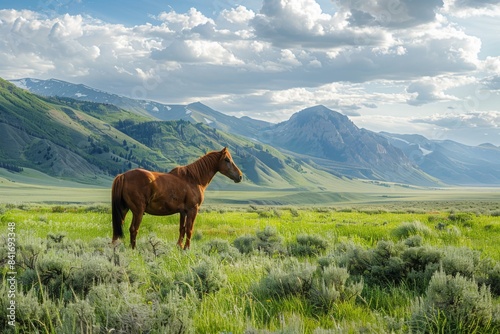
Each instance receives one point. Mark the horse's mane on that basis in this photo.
(201, 171)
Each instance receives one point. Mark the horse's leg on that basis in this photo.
(134, 226)
(191, 216)
(182, 229)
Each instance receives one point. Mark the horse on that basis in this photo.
(161, 194)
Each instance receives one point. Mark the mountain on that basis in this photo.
(62, 141)
(450, 161)
(316, 139)
(335, 143)
(193, 112)
(91, 142)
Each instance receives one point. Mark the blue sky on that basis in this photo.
(430, 67)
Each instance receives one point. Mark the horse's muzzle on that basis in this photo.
(238, 179)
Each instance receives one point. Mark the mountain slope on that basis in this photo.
(63, 141)
(194, 112)
(450, 161)
(91, 142)
(337, 144)
(317, 137)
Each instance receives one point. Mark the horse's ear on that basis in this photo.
(224, 150)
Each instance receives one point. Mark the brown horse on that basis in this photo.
(179, 191)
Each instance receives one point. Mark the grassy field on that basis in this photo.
(406, 266)
(31, 186)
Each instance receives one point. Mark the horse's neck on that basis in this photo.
(203, 170)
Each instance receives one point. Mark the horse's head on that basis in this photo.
(227, 166)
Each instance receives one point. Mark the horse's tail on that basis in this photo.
(117, 206)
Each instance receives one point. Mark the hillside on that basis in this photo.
(63, 141)
(317, 138)
(91, 142)
(194, 112)
(311, 135)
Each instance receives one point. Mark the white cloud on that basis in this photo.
(180, 22)
(290, 54)
(432, 89)
(288, 58)
(239, 15)
(301, 23)
(196, 51)
(472, 8)
(484, 119)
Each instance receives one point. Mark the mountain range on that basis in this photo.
(106, 133)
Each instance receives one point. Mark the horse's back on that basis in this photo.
(137, 182)
(139, 175)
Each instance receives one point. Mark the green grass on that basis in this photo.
(31, 186)
(155, 282)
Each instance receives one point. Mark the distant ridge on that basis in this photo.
(91, 142)
(450, 161)
(317, 137)
(194, 112)
(323, 133)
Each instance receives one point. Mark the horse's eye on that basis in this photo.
(227, 160)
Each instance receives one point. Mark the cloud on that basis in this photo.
(432, 89)
(266, 63)
(239, 15)
(492, 83)
(472, 8)
(197, 51)
(484, 119)
(391, 13)
(182, 22)
(302, 23)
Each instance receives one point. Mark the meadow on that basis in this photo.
(394, 267)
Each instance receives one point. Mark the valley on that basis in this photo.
(82, 138)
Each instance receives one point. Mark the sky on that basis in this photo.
(429, 67)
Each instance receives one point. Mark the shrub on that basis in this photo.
(421, 263)
(77, 317)
(463, 218)
(387, 263)
(245, 244)
(406, 230)
(331, 286)
(155, 246)
(33, 314)
(413, 241)
(51, 272)
(174, 315)
(419, 258)
(206, 277)
(93, 271)
(493, 279)
(220, 248)
(290, 278)
(307, 245)
(461, 261)
(454, 304)
(269, 242)
(118, 309)
(356, 259)
(27, 254)
(266, 214)
(58, 209)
